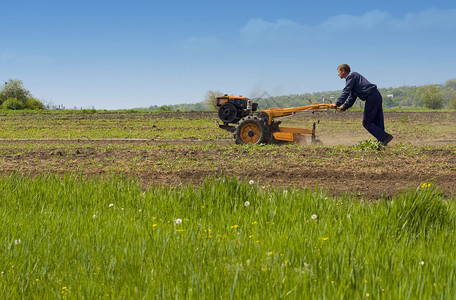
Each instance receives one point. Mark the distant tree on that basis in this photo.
(453, 101)
(14, 96)
(451, 84)
(164, 108)
(431, 96)
(14, 89)
(210, 99)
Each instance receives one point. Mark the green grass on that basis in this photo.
(75, 237)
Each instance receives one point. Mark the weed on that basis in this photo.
(370, 145)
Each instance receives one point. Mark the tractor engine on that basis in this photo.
(234, 108)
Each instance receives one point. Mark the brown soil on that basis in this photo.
(338, 170)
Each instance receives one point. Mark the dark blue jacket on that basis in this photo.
(355, 86)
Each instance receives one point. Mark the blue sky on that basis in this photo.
(126, 54)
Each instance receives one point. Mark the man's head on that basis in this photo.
(343, 70)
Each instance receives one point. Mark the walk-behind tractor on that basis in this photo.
(239, 116)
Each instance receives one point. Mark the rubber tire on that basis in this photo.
(228, 113)
(251, 130)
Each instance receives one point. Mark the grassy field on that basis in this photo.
(82, 219)
(108, 238)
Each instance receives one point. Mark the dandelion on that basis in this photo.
(367, 295)
(246, 203)
(17, 241)
(234, 226)
(313, 217)
(422, 263)
(178, 221)
(251, 182)
(324, 239)
(111, 205)
(140, 210)
(425, 185)
(255, 223)
(154, 225)
(332, 282)
(94, 216)
(251, 236)
(35, 279)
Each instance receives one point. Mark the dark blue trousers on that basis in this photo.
(373, 116)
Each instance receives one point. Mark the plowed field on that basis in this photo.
(175, 149)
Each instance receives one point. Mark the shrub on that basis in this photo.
(13, 103)
(431, 96)
(33, 103)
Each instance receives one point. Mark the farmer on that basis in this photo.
(358, 86)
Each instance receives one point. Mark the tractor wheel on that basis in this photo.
(251, 130)
(228, 113)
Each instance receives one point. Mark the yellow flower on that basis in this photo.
(234, 226)
(180, 230)
(37, 279)
(251, 236)
(255, 223)
(324, 239)
(154, 225)
(332, 282)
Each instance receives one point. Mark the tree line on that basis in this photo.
(13, 96)
(433, 96)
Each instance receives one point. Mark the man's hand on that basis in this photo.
(341, 108)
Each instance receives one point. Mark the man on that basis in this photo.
(356, 86)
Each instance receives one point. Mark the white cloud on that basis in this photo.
(259, 30)
(370, 23)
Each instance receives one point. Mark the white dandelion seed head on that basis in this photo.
(251, 182)
(178, 221)
(314, 217)
(111, 205)
(246, 203)
(422, 263)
